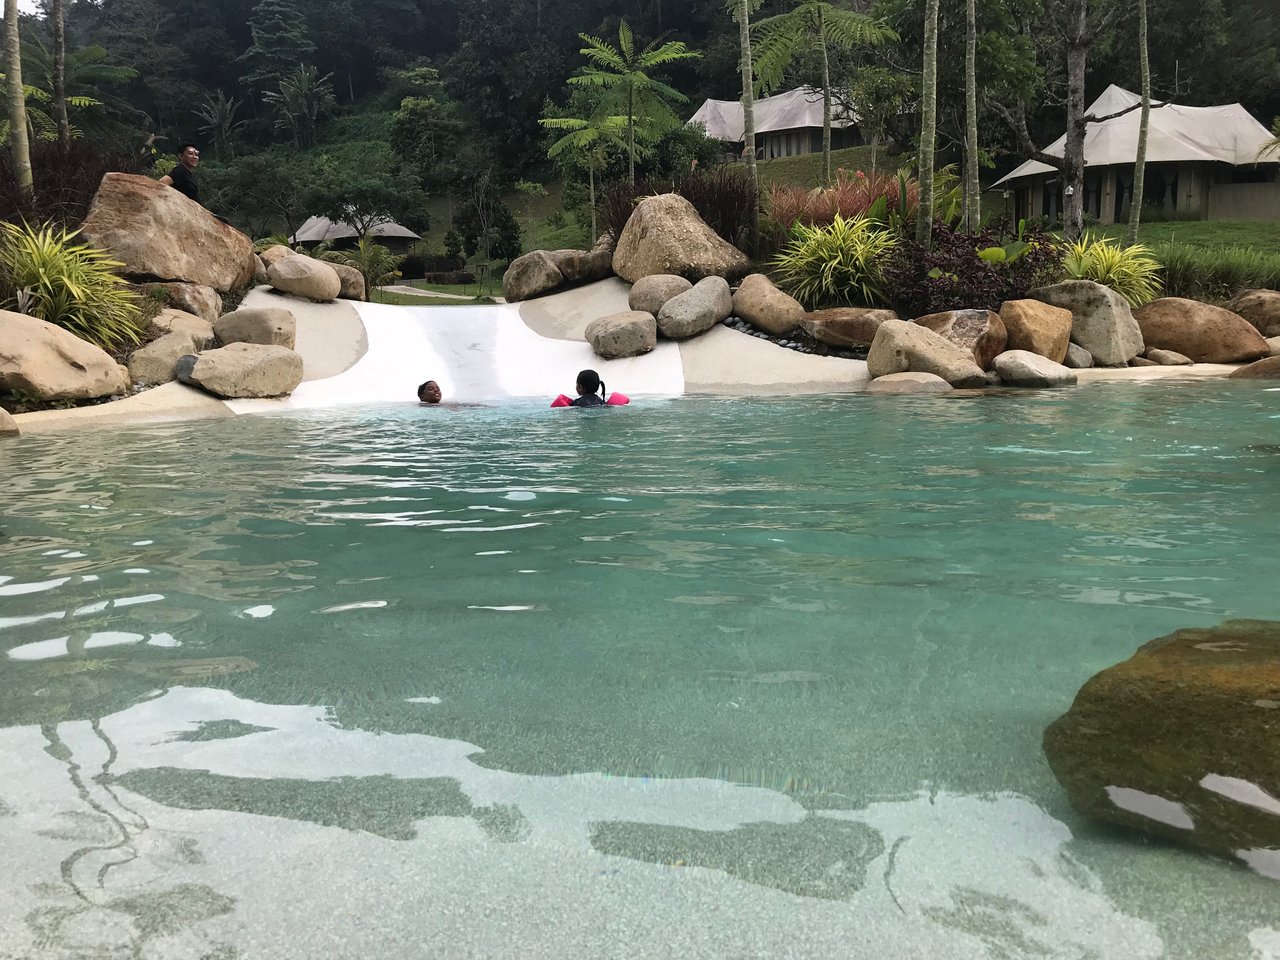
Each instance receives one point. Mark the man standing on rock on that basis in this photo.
(183, 176)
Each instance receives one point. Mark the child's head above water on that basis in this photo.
(429, 392)
(589, 382)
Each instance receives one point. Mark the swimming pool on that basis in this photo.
(701, 677)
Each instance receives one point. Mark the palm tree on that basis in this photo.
(17, 98)
(591, 140)
(742, 10)
(928, 124)
(813, 26)
(972, 188)
(218, 113)
(87, 79)
(1140, 162)
(55, 13)
(300, 102)
(623, 73)
(1272, 145)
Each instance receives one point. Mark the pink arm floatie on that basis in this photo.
(562, 401)
(618, 399)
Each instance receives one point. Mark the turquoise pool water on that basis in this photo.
(697, 678)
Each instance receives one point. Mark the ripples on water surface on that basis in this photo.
(698, 678)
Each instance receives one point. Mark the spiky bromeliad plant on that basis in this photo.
(838, 264)
(45, 273)
(1130, 271)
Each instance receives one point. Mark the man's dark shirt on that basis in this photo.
(184, 181)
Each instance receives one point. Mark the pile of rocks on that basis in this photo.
(542, 272)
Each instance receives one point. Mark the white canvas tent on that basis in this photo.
(785, 123)
(320, 229)
(1193, 152)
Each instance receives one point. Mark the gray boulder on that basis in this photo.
(981, 332)
(155, 363)
(901, 347)
(531, 276)
(1168, 358)
(1077, 358)
(759, 302)
(351, 280)
(908, 383)
(259, 271)
(1101, 320)
(583, 266)
(194, 298)
(1261, 308)
(845, 326)
(267, 325)
(666, 235)
(1142, 362)
(273, 255)
(651, 293)
(626, 334)
(243, 370)
(696, 310)
(198, 329)
(51, 363)
(8, 425)
(305, 277)
(1274, 344)
(1022, 368)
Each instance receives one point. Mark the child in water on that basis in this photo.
(591, 393)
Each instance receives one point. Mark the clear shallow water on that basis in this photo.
(699, 678)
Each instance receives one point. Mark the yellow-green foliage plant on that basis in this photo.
(45, 273)
(1132, 271)
(838, 264)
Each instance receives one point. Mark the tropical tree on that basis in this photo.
(1272, 146)
(972, 189)
(17, 102)
(928, 124)
(742, 10)
(813, 26)
(878, 96)
(590, 141)
(54, 12)
(281, 41)
(624, 74)
(378, 265)
(1140, 162)
(87, 81)
(300, 102)
(218, 119)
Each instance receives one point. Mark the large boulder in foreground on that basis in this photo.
(697, 310)
(159, 234)
(759, 302)
(650, 294)
(1038, 327)
(243, 370)
(902, 347)
(1022, 368)
(1201, 331)
(981, 332)
(1268, 368)
(268, 325)
(157, 362)
(666, 235)
(305, 277)
(1101, 320)
(1180, 741)
(46, 361)
(627, 334)
(531, 275)
(849, 327)
(1261, 308)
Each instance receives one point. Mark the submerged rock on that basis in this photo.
(908, 383)
(1180, 741)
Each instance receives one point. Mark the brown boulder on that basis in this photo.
(1268, 368)
(198, 329)
(583, 266)
(305, 277)
(351, 280)
(195, 298)
(531, 276)
(981, 332)
(1261, 308)
(1038, 327)
(273, 255)
(666, 235)
(1201, 331)
(845, 326)
(765, 307)
(627, 334)
(157, 233)
(8, 425)
(1179, 741)
(650, 294)
(42, 359)
(155, 363)
(269, 325)
(902, 347)
(243, 370)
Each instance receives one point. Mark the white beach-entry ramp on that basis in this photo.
(478, 354)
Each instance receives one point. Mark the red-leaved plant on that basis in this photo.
(851, 196)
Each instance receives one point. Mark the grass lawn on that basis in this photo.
(806, 169)
(1263, 236)
(461, 289)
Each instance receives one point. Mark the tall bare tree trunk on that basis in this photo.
(826, 101)
(928, 124)
(972, 188)
(1073, 151)
(19, 141)
(631, 134)
(1140, 162)
(60, 73)
(591, 185)
(749, 107)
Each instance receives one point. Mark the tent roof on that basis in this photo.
(318, 229)
(795, 109)
(1226, 134)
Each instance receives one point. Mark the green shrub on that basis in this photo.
(44, 273)
(1130, 271)
(1215, 273)
(375, 262)
(839, 264)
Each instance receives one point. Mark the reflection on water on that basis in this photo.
(706, 678)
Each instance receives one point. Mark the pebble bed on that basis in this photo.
(798, 341)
